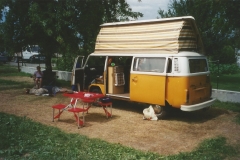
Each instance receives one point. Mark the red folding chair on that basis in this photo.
(62, 107)
(76, 111)
(88, 102)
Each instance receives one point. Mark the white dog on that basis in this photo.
(149, 114)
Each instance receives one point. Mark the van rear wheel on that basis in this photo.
(160, 111)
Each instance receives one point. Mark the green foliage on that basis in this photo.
(54, 60)
(61, 26)
(216, 21)
(65, 63)
(21, 138)
(226, 82)
(216, 68)
(227, 55)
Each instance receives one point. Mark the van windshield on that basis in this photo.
(198, 65)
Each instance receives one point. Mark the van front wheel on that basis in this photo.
(95, 90)
(160, 111)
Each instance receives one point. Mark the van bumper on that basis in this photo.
(197, 106)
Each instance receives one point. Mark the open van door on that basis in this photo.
(78, 73)
(148, 80)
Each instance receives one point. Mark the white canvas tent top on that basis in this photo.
(158, 36)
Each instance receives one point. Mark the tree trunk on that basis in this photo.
(48, 62)
(49, 77)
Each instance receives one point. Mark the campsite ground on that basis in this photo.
(181, 132)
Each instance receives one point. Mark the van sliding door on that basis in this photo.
(148, 79)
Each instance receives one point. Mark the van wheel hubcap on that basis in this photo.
(160, 111)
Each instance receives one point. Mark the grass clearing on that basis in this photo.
(22, 138)
(8, 85)
(10, 71)
(235, 107)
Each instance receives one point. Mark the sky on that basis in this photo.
(148, 7)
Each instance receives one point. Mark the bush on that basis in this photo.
(228, 55)
(65, 64)
(54, 60)
(224, 68)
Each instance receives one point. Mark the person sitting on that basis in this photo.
(37, 76)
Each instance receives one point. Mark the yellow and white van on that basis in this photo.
(159, 62)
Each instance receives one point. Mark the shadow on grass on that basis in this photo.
(199, 116)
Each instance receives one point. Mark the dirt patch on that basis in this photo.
(181, 132)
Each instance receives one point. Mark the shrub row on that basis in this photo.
(224, 68)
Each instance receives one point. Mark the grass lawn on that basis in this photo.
(22, 138)
(226, 82)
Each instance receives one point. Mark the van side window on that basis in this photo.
(169, 67)
(149, 64)
(79, 63)
(198, 65)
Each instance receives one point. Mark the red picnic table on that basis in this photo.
(86, 98)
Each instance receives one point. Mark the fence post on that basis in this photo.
(218, 73)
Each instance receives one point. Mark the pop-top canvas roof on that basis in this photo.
(160, 36)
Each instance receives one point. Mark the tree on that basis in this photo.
(214, 22)
(60, 26)
(232, 13)
(94, 13)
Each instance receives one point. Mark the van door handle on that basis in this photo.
(135, 79)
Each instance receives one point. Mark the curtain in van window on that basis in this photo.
(149, 64)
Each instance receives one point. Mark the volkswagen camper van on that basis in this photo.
(157, 62)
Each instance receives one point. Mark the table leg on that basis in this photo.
(79, 122)
(59, 114)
